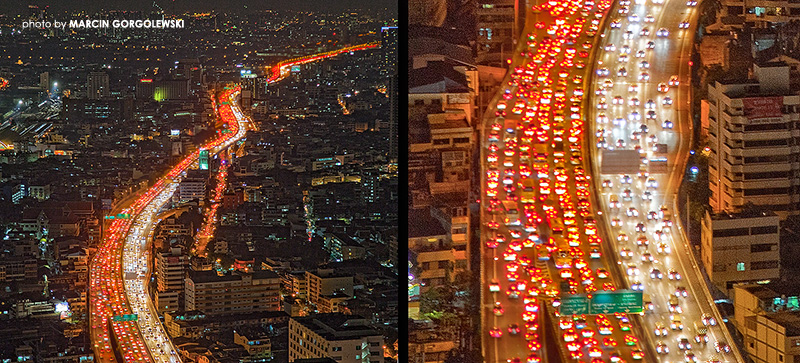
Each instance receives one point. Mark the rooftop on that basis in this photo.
(422, 224)
(337, 326)
(788, 320)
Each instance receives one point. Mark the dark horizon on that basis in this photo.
(177, 7)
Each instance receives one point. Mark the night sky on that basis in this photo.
(15, 7)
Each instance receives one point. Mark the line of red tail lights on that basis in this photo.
(282, 68)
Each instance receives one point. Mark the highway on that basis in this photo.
(119, 270)
(640, 98)
(536, 209)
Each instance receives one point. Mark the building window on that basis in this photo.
(740, 266)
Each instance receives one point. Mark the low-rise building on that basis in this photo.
(740, 248)
(235, 292)
(345, 338)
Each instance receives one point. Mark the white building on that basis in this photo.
(345, 338)
(753, 135)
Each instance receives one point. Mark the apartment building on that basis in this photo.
(171, 266)
(740, 248)
(235, 292)
(757, 14)
(753, 129)
(325, 282)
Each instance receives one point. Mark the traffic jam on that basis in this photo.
(634, 111)
(107, 289)
(539, 222)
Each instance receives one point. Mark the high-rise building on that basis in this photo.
(97, 85)
(394, 114)
(754, 142)
(44, 81)
(495, 30)
(192, 70)
(370, 182)
(345, 338)
(193, 186)
(389, 49)
(171, 268)
(235, 292)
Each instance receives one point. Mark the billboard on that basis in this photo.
(762, 107)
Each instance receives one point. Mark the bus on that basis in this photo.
(512, 213)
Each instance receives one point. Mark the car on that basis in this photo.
(667, 125)
(610, 47)
(644, 77)
(675, 323)
(632, 270)
(662, 348)
(673, 275)
(640, 227)
(494, 286)
(637, 354)
(644, 32)
(626, 253)
(667, 101)
(663, 32)
(647, 257)
(721, 347)
(660, 330)
(651, 44)
(681, 291)
(498, 309)
(640, 54)
(632, 211)
(634, 18)
(673, 81)
(633, 101)
(622, 237)
(607, 183)
(708, 320)
(683, 25)
(649, 18)
(644, 65)
(637, 286)
(513, 329)
(616, 23)
(689, 357)
(496, 332)
(691, 3)
(684, 344)
(656, 274)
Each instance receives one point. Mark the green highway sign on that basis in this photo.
(602, 302)
(620, 301)
(125, 317)
(574, 304)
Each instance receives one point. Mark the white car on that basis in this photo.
(644, 77)
(644, 32)
(644, 65)
(691, 3)
(635, 18)
(649, 18)
(633, 102)
(640, 54)
(602, 72)
(610, 47)
(633, 88)
(666, 101)
(684, 25)
(663, 32)
(616, 24)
